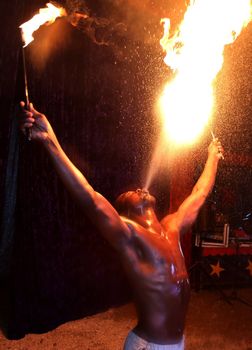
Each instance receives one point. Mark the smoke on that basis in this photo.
(105, 29)
(102, 31)
(113, 22)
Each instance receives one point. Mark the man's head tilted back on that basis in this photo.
(134, 202)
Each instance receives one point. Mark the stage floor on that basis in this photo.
(212, 324)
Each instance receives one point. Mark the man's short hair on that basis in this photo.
(123, 203)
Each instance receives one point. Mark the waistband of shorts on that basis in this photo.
(153, 346)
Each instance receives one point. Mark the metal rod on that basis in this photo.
(213, 136)
(27, 101)
(25, 80)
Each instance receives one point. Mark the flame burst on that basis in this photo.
(46, 15)
(195, 54)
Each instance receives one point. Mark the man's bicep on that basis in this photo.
(189, 209)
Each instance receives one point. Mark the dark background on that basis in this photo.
(98, 88)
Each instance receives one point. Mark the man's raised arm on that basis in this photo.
(96, 207)
(189, 209)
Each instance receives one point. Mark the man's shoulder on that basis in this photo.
(131, 224)
(169, 219)
(169, 222)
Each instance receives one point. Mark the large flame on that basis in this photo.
(46, 15)
(195, 54)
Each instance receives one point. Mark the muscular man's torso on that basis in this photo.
(155, 266)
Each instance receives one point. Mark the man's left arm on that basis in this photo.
(189, 209)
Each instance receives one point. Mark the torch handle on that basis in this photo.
(28, 133)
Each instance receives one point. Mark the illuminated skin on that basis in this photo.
(149, 250)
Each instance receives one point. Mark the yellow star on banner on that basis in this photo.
(216, 269)
(249, 267)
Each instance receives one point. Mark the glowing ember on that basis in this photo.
(195, 54)
(46, 15)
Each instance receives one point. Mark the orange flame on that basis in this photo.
(195, 54)
(46, 15)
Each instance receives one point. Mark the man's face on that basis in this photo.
(141, 199)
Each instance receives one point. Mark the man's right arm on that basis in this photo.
(95, 206)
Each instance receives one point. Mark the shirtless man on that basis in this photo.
(149, 250)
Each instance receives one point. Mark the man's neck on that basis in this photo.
(148, 220)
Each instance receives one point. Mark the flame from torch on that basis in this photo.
(46, 15)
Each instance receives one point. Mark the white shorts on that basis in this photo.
(134, 342)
